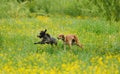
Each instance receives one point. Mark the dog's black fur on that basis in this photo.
(46, 38)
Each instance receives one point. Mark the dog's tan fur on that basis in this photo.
(69, 39)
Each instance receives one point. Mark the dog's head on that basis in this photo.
(61, 36)
(42, 33)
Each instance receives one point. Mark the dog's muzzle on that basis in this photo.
(58, 38)
(39, 36)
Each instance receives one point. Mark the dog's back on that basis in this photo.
(53, 41)
(70, 39)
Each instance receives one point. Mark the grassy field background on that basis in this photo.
(95, 22)
(101, 41)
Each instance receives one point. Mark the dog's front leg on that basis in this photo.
(37, 43)
(41, 42)
(64, 45)
(69, 43)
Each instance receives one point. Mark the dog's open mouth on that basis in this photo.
(39, 36)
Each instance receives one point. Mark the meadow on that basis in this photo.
(101, 41)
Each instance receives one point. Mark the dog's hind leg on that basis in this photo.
(79, 45)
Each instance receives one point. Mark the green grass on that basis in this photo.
(99, 38)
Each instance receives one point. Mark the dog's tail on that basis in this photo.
(77, 42)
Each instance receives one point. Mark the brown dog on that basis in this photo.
(70, 40)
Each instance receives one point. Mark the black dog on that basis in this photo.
(46, 38)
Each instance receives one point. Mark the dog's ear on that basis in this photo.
(48, 35)
(62, 36)
(45, 30)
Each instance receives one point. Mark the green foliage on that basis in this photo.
(43, 7)
(109, 8)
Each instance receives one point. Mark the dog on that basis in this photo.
(69, 40)
(46, 38)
